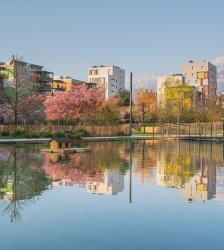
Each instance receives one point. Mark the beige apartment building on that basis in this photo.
(111, 78)
(202, 75)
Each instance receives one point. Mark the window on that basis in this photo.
(202, 67)
(90, 72)
(193, 74)
(196, 81)
(66, 145)
(189, 81)
(192, 68)
(116, 81)
(97, 72)
(186, 75)
(60, 145)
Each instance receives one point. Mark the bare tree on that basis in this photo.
(16, 84)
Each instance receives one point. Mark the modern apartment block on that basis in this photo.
(63, 83)
(26, 75)
(111, 78)
(202, 75)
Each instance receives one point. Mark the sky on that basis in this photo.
(140, 36)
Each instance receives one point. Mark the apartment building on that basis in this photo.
(26, 75)
(164, 81)
(202, 75)
(111, 78)
(63, 83)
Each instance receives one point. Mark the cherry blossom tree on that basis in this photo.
(78, 103)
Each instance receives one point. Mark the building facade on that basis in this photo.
(161, 83)
(111, 78)
(26, 75)
(202, 75)
(63, 83)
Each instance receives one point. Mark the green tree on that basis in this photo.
(123, 98)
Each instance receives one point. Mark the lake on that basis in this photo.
(120, 195)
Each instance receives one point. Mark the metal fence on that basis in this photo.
(210, 130)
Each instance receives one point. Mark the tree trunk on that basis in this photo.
(143, 118)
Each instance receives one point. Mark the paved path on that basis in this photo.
(112, 138)
(13, 141)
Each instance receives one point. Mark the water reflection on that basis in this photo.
(20, 183)
(195, 168)
(112, 183)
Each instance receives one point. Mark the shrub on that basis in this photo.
(59, 134)
(78, 136)
(5, 133)
(83, 132)
(32, 135)
(46, 134)
(71, 136)
(19, 133)
(68, 131)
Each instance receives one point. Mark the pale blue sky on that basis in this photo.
(143, 36)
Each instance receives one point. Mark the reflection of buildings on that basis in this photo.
(202, 186)
(196, 177)
(113, 183)
(220, 184)
(63, 182)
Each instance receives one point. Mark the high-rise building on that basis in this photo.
(111, 78)
(202, 75)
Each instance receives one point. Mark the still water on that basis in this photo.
(121, 195)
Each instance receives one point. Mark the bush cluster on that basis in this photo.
(77, 135)
(5, 133)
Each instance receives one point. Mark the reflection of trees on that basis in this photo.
(89, 166)
(20, 183)
(144, 160)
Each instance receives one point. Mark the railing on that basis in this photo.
(198, 130)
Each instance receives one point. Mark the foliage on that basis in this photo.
(18, 98)
(78, 103)
(19, 133)
(5, 133)
(46, 134)
(83, 132)
(123, 98)
(59, 134)
(146, 105)
(108, 113)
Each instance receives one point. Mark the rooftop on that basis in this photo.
(61, 140)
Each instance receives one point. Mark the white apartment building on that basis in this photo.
(202, 75)
(111, 78)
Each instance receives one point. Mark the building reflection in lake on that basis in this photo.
(113, 183)
(194, 174)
